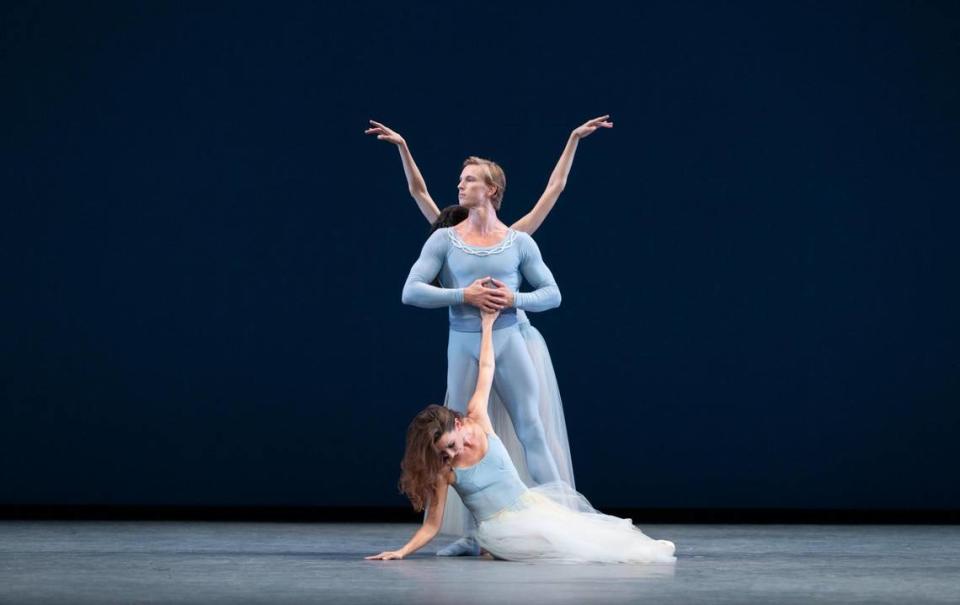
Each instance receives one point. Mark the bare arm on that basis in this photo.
(558, 178)
(427, 531)
(415, 183)
(477, 406)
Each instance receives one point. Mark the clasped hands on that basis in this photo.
(488, 294)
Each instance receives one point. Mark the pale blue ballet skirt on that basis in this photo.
(550, 522)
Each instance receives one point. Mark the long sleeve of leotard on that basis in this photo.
(418, 290)
(546, 294)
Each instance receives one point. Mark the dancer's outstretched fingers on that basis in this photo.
(384, 133)
(385, 556)
(588, 127)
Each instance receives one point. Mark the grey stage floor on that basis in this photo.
(177, 562)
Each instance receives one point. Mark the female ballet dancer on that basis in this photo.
(549, 522)
(549, 404)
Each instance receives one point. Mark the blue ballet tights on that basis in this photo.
(515, 382)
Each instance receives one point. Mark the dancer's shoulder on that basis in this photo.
(527, 245)
(443, 234)
(439, 238)
(524, 238)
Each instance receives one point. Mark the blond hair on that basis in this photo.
(494, 176)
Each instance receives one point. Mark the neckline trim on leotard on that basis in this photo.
(505, 243)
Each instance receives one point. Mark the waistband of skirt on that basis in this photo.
(521, 501)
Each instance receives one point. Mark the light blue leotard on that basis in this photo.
(490, 485)
(459, 264)
(515, 381)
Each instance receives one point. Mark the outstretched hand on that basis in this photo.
(588, 127)
(384, 134)
(385, 556)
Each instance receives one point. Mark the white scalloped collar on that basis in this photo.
(505, 243)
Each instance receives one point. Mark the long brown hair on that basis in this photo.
(422, 466)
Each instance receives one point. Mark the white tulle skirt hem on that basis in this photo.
(554, 523)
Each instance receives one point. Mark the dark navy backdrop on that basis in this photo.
(202, 254)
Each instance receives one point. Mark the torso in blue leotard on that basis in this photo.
(490, 485)
(458, 264)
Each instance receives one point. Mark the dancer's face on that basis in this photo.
(473, 189)
(450, 444)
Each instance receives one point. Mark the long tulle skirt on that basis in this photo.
(457, 520)
(554, 523)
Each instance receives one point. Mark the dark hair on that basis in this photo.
(422, 466)
(449, 216)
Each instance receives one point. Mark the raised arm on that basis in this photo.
(428, 530)
(415, 183)
(477, 406)
(558, 178)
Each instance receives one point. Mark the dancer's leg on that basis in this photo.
(550, 408)
(516, 383)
